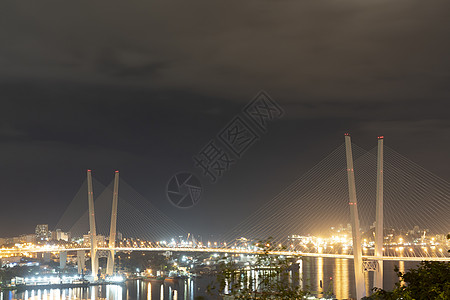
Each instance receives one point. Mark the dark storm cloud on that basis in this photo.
(321, 50)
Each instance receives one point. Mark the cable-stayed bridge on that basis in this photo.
(365, 205)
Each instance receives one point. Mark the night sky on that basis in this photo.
(141, 87)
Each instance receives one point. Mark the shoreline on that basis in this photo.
(57, 286)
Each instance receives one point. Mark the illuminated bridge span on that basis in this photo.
(227, 251)
(372, 205)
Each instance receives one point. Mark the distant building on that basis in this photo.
(86, 240)
(42, 232)
(101, 240)
(27, 238)
(300, 239)
(59, 235)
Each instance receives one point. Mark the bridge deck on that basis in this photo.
(232, 251)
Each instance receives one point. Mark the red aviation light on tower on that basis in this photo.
(89, 170)
(381, 137)
(116, 171)
(347, 134)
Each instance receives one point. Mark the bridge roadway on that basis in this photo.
(230, 251)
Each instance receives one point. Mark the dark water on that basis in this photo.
(337, 276)
(321, 275)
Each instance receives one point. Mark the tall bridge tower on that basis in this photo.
(378, 278)
(113, 230)
(356, 234)
(93, 236)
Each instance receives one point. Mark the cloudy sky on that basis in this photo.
(142, 86)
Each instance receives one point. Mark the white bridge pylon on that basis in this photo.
(93, 235)
(356, 234)
(376, 265)
(113, 229)
(379, 226)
